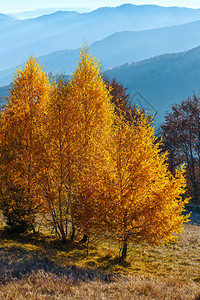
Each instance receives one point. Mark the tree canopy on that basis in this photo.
(181, 138)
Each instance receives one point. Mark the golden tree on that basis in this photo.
(92, 98)
(125, 187)
(93, 127)
(78, 115)
(58, 156)
(133, 197)
(143, 200)
(20, 126)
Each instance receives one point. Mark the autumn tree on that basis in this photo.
(119, 97)
(59, 153)
(77, 116)
(181, 137)
(125, 188)
(122, 101)
(95, 117)
(142, 200)
(19, 145)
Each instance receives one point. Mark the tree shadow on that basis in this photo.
(18, 270)
(108, 261)
(44, 241)
(32, 253)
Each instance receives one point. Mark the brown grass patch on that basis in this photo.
(42, 285)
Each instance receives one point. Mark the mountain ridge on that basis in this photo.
(44, 35)
(123, 47)
(163, 80)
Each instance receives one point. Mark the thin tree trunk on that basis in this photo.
(64, 240)
(84, 239)
(73, 233)
(88, 245)
(124, 251)
(33, 228)
(66, 226)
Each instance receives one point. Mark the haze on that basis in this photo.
(10, 6)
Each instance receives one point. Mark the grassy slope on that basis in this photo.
(39, 267)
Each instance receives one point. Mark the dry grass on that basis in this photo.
(39, 267)
(48, 286)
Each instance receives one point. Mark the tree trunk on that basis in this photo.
(124, 251)
(33, 228)
(63, 235)
(66, 227)
(84, 239)
(73, 234)
(64, 240)
(87, 245)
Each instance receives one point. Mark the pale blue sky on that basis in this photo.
(7, 6)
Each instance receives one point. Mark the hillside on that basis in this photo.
(4, 91)
(5, 19)
(66, 30)
(163, 80)
(126, 47)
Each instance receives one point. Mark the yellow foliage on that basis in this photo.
(94, 124)
(145, 198)
(20, 126)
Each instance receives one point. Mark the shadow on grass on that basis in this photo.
(44, 241)
(21, 269)
(41, 245)
(108, 262)
(20, 260)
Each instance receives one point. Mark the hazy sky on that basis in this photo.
(7, 6)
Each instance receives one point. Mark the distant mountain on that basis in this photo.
(39, 12)
(4, 91)
(6, 76)
(5, 19)
(66, 30)
(122, 47)
(161, 81)
(59, 62)
(128, 46)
